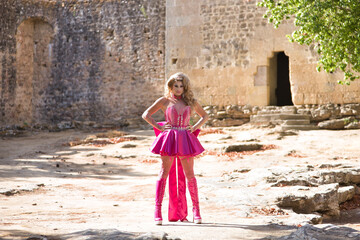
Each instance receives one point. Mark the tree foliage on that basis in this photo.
(333, 26)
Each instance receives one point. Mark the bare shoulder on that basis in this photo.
(163, 101)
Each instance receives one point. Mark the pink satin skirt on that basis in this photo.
(177, 142)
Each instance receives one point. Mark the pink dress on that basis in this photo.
(177, 142)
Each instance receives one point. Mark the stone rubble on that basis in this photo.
(304, 190)
(322, 232)
(328, 116)
(337, 124)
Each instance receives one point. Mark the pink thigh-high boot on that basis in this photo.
(160, 190)
(193, 189)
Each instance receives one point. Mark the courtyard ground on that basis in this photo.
(94, 185)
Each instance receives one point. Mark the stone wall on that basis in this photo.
(80, 61)
(229, 51)
(103, 62)
(233, 115)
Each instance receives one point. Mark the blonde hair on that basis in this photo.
(188, 95)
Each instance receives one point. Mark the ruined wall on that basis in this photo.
(105, 61)
(80, 61)
(228, 50)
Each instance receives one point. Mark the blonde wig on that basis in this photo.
(188, 95)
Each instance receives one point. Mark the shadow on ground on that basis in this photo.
(89, 234)
(41, 160)
(320, 232)
(114, 234)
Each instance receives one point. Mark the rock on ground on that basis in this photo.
(323, 232)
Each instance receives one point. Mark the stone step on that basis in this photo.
(297, 122)
(277, 118)
(299, 127)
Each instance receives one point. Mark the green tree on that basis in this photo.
(333, 26)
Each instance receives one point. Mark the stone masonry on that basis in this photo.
(229, 51)
(80, 61)
(69, 63)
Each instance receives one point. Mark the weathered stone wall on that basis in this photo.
(80, 61)
(103, 62)
(233, 115)
(228, 50)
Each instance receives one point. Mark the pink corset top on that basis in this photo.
(178, 119)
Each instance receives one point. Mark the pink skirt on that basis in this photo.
(176, 142)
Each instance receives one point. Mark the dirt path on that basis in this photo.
(107, 191)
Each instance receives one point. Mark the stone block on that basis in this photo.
(320, 115)
(310, 98)
(186, 63)
(319, 199)
(261, 77)
(346, 193)
(334, 124)
(229, 122)
(353, 125)
(221, 115)
(298, 98)
(243, 147)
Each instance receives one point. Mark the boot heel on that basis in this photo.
(160, 190)
(158, 217)
(196, 216)
(193, 189)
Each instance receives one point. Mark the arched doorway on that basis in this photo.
(34, 39)
(280, 91)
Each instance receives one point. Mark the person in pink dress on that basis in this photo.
(177, 143)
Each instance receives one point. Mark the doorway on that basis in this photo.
(280, 91)
(34, 38)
